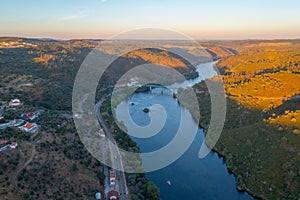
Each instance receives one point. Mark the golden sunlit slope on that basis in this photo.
(266, 91)
(288, 120)
(263, 74)
(259, 58)
(159, 57)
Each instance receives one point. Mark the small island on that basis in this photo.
(146, 110)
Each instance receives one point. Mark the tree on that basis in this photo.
(74, 167)
(152, 192)
(101, 177)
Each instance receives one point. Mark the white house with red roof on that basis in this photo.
(112, 177)
(29, 127)
(14, 102)
(13, 145)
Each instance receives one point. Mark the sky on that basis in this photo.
(199, 19)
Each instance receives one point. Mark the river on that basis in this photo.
(189, 177)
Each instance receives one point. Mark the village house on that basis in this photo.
(13, 145)
(113, 195)
(3, 141)
(101, 133)
(14, 102)
(29, 127)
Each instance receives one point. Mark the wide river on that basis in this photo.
(189, 177)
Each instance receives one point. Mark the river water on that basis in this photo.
(188, 177)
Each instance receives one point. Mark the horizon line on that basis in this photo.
(151, 39)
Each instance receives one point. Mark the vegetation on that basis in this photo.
(288, 120)
(51, 164)
(263, 56)
(260, 140)
(54, 164)
(263, 75)
(266, 91)
(264, 158)
(157, 56)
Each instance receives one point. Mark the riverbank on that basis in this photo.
(220, 183)
(204, 127)
(137, 104)
(205, 109)
(249, 147)
(239, 188)
(255, 152)
(204, 121)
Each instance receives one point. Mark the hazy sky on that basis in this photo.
(200, 19)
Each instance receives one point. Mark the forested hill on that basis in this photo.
(261, 137)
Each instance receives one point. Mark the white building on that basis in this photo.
(13, 145)
(101, 133)
(29, 127)
(14, 102)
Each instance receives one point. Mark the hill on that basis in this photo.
(260, 140)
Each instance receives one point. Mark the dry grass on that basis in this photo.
(266, 91)
(288, 120)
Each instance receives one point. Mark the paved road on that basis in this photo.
(121, 185)
(13, 123)
(115, 156)
(4, 148)
(4, 126)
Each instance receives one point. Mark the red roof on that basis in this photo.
(113, 193)
(29, 115)
(3, 141)
(29, 125)
(14, 144)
